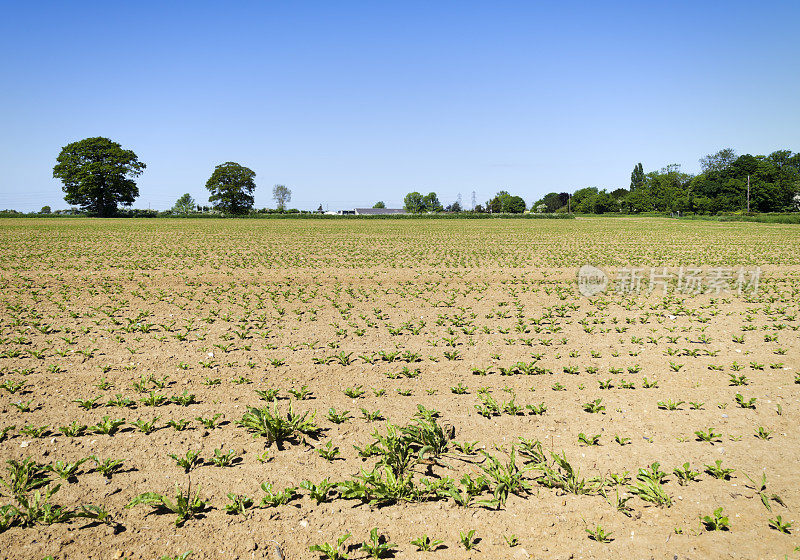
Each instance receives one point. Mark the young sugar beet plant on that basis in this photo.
(185, 506)
(279, 428)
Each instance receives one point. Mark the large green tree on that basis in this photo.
(552, 201)
(431, 202)
(231, 186)
(413, 203)
(98, 175)
(506, 203)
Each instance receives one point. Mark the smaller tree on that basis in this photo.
(184, 204)
(380, 204)
(45, 210)
(231, 186)
(282, 196)
(637, 177)
(454, 207)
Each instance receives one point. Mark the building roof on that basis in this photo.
(378, 211)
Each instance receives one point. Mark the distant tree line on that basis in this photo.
(502, 202)
(98, 177)
(721, 187)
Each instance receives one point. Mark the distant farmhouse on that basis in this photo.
(378, 211)
(364, 212)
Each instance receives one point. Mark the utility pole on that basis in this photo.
(569, 205)
(748, 193)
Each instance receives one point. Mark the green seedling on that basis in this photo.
(670, 404)
(710, 436)
(599, 534)
(740, 400)
(179, 425)
(184, 399)
(717, 471)
(589, 440)
(685, 474)
(332, 552)
(154, 399)
(146, 427)
(87, 404)
(355, 392)
(763, 433)
(269, 395)
(238, 504)
(221, 459)
(209, 423)
(511, 540)
(468, 540)
(301, 394)
(185, 506)
(108, 426)
(780, 525)
(35, 431)
(338, 418)
(66, 470)
(328, 452)
(594, 406)
(318, 492)
(716, 522)
(108, 467)
(426, 544)
(121, 401)
(274, 498)
(188, 461)
(73, 430)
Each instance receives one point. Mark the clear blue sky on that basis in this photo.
(347, 103)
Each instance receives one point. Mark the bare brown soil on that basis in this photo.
(73, 318)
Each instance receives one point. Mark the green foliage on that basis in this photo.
(415, 203)
(187, 461)
(274, 498)
(505, 203)
(599, 534)
(278, 428)
(426, 544)
(378, 546)
(716, 521)
(332, 552)
(184, 205)
(184, 506)
(231, 186)
(468, 540)
(282, 195)
(98, 175)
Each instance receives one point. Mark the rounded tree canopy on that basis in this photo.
(98, 175)
(231, 186)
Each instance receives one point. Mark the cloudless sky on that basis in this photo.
(348, 103)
